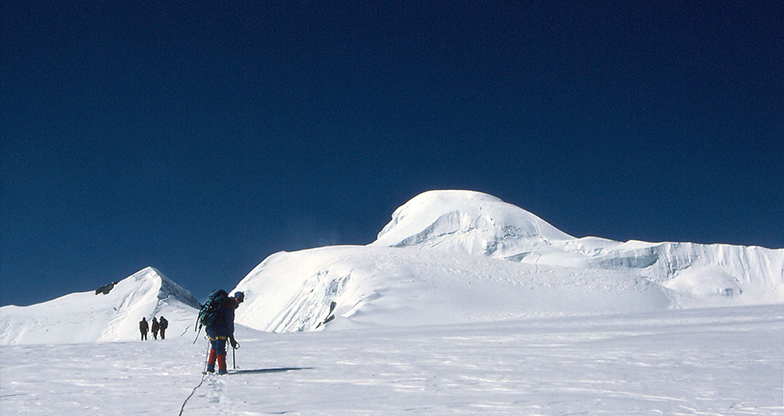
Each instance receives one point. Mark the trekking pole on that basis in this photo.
(234, 348)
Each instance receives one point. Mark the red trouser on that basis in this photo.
(217, 352)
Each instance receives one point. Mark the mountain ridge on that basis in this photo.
(471, 238)
(445, 257)
(108, 314)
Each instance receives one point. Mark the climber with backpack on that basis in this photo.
(217, 317)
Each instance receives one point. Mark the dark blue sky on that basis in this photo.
(201, 137)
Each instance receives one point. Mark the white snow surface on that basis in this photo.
(98, 317)
(459, 256)
(446, 257)
(464, 305)
(716, 361)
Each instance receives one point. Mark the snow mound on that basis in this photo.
(359, 287)
(460, 256)
(110, 313)
(465, 222)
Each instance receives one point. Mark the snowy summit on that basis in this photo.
(463, 256)
(464, 304)
(446, 257)
(109, 313)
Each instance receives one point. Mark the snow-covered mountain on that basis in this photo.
(462, 256)
(110, 313)
(446, 257)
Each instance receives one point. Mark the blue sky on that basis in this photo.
(199, 138)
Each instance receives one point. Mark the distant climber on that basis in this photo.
(143, 328)
(163, 324)
(155, 328)
(220, 328)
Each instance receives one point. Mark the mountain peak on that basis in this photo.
(110, 313)
(170, 289)
(468, 221)
(462, 256)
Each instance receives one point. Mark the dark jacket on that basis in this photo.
(224, 323)
(143, 326)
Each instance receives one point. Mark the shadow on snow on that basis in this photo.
(269, 370)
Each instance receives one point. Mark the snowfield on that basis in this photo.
(461, 257)
(463, 305)
(719, 361)
(99, 317)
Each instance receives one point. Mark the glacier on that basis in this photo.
(446, 257)
(449, 257)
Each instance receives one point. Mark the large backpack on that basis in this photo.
(209, 311)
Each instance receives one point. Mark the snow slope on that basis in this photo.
(464, 305)
(101, 317)
(446, 257)
(718, 361)
(462, 256)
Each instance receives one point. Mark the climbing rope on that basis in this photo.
(203, 377)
